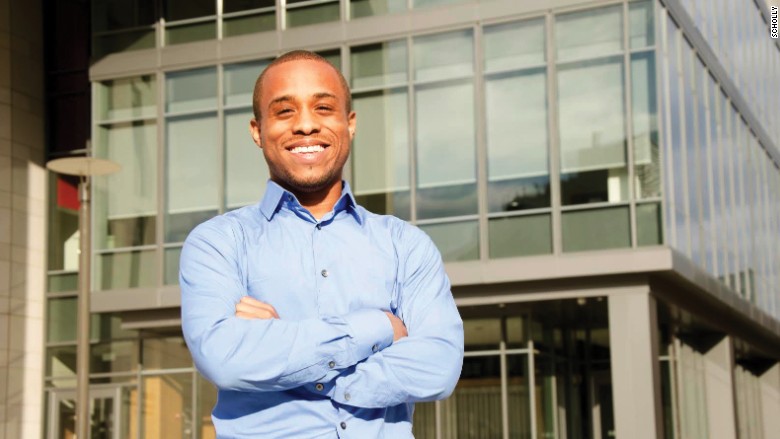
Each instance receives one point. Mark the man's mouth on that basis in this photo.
(307, 149)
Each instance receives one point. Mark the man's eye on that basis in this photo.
(284, 111)
(324, 108)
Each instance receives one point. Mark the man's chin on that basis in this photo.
(309, 186)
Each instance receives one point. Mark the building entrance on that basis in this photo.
(535, 370)
(108, 420)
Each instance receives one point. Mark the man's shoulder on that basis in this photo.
(229, 223)
(401, 231)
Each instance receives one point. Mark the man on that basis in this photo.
(314, 317)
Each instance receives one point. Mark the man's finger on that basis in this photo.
(254, 314)
(262, 310)
(252, 301)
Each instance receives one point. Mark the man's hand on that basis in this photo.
(399, 329)
(250, 308)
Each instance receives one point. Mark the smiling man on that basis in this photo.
(314, 317)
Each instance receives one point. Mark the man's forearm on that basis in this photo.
(272, 355)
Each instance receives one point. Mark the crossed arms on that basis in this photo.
(240, 343)
(251, 308)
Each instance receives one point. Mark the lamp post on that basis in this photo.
(84, 168)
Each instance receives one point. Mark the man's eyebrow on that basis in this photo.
(280, 99)
(289, 98)
(323, 95)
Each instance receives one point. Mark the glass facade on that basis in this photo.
(722, 201)
(540, 133)
(574, 180)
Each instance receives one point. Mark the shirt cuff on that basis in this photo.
(370, 331)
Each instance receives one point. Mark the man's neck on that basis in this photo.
(320, 202)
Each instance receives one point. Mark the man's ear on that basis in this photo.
(352, 124)
(254, 131)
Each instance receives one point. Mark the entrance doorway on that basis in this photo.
(108, 420)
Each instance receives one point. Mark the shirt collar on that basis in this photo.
(276, 195)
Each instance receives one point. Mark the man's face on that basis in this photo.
(304, 129)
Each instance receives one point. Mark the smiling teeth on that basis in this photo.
(305, 149)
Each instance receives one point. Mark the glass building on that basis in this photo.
(602, 179)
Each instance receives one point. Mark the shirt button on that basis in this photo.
(319, 387)
(374, 348)
(332, 364)
(324, 273)
(347, 396)
(343, 425)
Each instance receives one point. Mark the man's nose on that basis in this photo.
(306, 122)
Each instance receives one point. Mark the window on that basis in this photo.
(516, 106)
(380, 151)
(592, 132)
(241, 17)
(189, 20)
(192, 179)
(367, 8)
(445, 140)
(246, 172)
(120, 25)
(588, 34)
(125, 205)
(305, 12)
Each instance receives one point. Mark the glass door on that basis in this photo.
(106, 421)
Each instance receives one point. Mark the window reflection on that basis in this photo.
(126, 202)
(520, 236)
(380, 152)
(239, 82)
(517, 141)
(641, 24)
(378, 64)
(130, 269)
(645, 126)
(676, 177)
(456, 241)
(192, 188)
(246, 171)
(367, 8)
(192, 180)
(63, 225)
(589, 33)
(127, 98)
(305, 12)
(424, 3)
(191, 90)
(119, 25)
(445, 140)
(171, 265)
(595, 229)
(178, 10)
(648, 224)
(514, 45)
(592, 132)
(443, 56)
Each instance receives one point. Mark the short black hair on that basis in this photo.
(296, 55)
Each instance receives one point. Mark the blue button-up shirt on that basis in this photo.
(328, 366)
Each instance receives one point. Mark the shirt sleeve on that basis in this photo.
(254, 354)
(425, 365)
